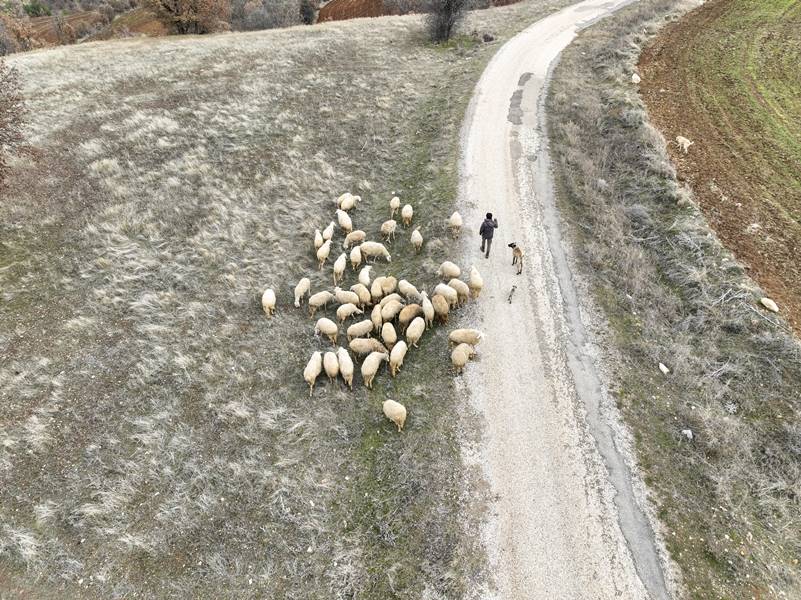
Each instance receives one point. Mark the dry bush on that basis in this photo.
(12, 110)
(193, 16)
(443, 18)
(15, 35)
(672, 294)
(251, 15)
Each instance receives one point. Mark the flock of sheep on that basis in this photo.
(396, 307)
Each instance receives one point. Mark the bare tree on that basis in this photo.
(444, 17)
(193, 16)
(12, 111)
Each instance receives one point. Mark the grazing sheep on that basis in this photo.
(313, 369)
(376, 319)
(374, 250)
(268, 302)
(360, 329)
(408, 313)
(327, 327)
(476, 282)
(346, 296)
(345, 366)
(394, 205)
(395, 412)
(355, 257)
(465, 336)
(408, 290)
(331, 365)
(462, 289)
(364, 276)
(348, 310)
(448, 270)
(303, 287)
(428, 309)
(388, 285)
(362, 292)
(390, 298)
(407, 212)
(354, 237)
(517, 256)
(340, 264)
(362, 346)
(328, 232)
(390, 310)
(455, 224)
(461, 355)
(388, 335)
(417, 239)
(348, 201)
(415, 331)
(396, 357)
(441, 307)
(376, 289)
(323, 252)
(683, 143)
(344, 220)
(318, 239)
(317, 300)
(450, 294)
(371, 365)
(388, 229)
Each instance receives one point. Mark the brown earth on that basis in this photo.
(338, 10)
(726, 167)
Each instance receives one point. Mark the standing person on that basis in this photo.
(487, 230)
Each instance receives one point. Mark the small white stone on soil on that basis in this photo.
(664, 369)
(688, 433)
(769, 304)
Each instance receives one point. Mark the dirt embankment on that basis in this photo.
(715, 77)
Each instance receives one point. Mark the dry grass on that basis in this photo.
(156, 435)
(673, 294)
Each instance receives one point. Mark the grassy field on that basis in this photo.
(673, 294)
(727, 77)
(156, 434)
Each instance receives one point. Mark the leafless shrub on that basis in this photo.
(12, 110)
(193, 16)
(443, 18)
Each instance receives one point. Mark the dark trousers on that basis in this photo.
(488, 243)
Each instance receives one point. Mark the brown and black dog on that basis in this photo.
(517, 257)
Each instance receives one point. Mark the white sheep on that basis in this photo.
(428, 309)
(449, 270)
(364, 276)
(389, 298)
(344, 220)
(362, 292)
(303, 287)
(395, 412)
(390, 310)
(446, 291)
(323, 252)
(394, 205)
(417, 239)
(371, 365)
(374, 250)
(683, 143)
(346, 296)
(415, 331)
(345, 366)
(346, 311)
(388, 229)
(388, 335)
(408, 313)
(476, 282)
(355, 257)
(328, 232)
(462, 289)
(388, 284)
(319, 299)
(318, 239)
(354, 237)
(327, 327)
(408, 290)
(376, 289)
(340, 264)
(461, 355)
(362, 346)
(396, 357)
(455, 224)
(441, 307)
(331, 365)
(268, 302)
(407, 212)
(347, 201)
(375, 318)
(465, 336)
(313, 369)
(360, 329)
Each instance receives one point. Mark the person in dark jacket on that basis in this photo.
(487, 230)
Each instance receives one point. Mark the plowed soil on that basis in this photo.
(726, 76)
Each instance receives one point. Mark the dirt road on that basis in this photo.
(568, 519)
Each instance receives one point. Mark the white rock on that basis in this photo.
(688, 433)
(664, 369)
(635, 78)
(769, 304)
